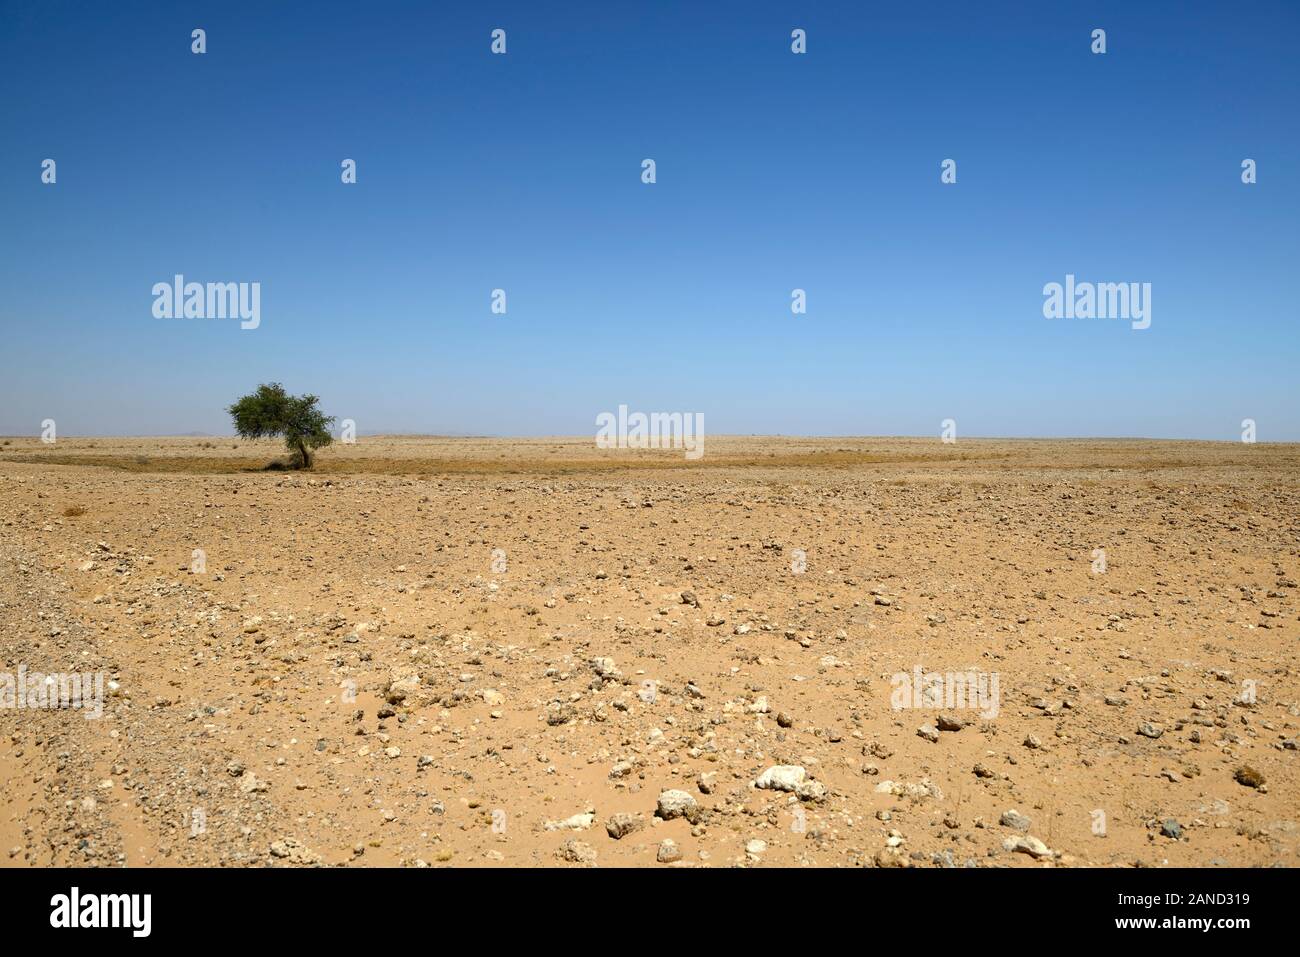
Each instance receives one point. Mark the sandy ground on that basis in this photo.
(473, 652)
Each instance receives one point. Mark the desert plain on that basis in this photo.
(487, 652)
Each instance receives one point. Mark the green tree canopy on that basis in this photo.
(271, 411)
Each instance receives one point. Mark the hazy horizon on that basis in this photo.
(231, 436)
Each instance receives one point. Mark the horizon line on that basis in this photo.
(721, 435)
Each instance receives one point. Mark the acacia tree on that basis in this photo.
(271, 411)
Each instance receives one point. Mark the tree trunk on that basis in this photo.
(303, 455)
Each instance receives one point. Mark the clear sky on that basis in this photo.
(775, 171)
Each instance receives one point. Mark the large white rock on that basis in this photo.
(1027, 844)
(579, 822)
(605, 668)
(674, 803)
(782, 777)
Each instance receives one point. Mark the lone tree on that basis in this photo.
(272, 411)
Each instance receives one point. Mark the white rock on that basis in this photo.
(1027, 844)
(579, 822)
(782, 777)
(605, 667)
(907, 789)
(674, 803)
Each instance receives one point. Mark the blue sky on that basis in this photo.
(775, 171)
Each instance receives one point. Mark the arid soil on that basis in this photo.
(463, 652)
